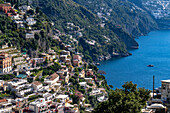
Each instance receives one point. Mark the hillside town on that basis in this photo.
(52, 82)
(159, 8)
(56, 82)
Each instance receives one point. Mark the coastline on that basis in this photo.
(121, 55)
(153, 50)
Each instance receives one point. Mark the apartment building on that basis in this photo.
(5, 63)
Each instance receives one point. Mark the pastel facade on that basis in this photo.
(77, 60)
(6, 7)
(5, 63)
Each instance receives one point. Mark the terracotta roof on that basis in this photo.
(53, 76)
(36, 83)
(3, 100)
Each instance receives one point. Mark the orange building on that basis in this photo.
(5, 63)
(6, 7)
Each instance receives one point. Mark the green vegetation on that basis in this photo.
(89, 84)
(75, 99)
(93, 100)
(52, 69)
(129, 99)
(2, 95)
(11, 35)
(62, 12)
(120, 19)
(34, 97)
(123, 14)
(45, 72)
(93, 67)
(1, 1)
(7, 77)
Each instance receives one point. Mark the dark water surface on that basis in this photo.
(154, 49)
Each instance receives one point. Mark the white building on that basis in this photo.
(37, 60)
(5, 106)
(39, 106)
(83, 84)
(30, 21)
(95, 92)
(20, 86)
(16, 17)
(18, 60)
(165, 90)
(48, 96)
(16, 82)
(63, 58)
(19, 24)
(24, 7)
(62, 98)
(37, 86)
(52, 79)
(29, 35)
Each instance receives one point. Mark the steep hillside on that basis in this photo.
(107, 38)
(122, 13)
(17, 36)
(159, 9)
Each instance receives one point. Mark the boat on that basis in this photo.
(150, 65)
(130, 54)
(98, 64)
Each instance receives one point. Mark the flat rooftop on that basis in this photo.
(62, 96)
(167, 81)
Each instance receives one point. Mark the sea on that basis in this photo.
(153, 49)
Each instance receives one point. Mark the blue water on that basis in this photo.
(154, 49)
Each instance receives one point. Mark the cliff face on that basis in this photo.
(130, 42)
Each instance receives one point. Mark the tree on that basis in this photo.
(25, 16)
(75, 99)
(37, 36)
(111, 86)
(18, 2)
(16, 6)
(43, 33)
(27, 3)
(12, 3)
(46, 62)
(37, 10)
(93, 67)
(129, 99)
(31, 12)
